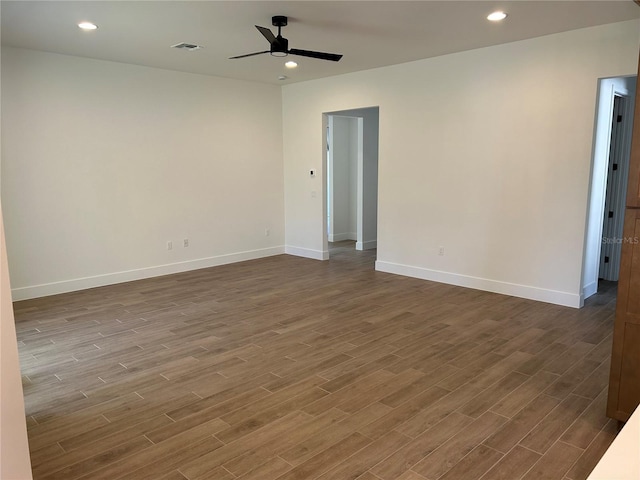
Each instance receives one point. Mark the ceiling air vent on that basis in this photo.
(186, 46)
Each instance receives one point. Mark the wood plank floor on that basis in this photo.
(293, 369)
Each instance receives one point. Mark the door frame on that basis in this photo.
(608, 89)
(361, 242)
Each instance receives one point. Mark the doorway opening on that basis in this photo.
(351, 183)
(609, 175)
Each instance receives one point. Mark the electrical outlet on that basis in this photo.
(267, 232)
(441, 251)
(185, 242)
(169, 245)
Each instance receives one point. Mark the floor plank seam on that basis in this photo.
(287, 326)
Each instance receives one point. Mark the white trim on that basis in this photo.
(523, 291)
(589, 290)
(368, 245)
(306, 252)
(339, 237)
(54, 288)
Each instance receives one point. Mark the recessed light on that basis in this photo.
(497, 16)
(291, 64)
(87, 26)
(282, 77)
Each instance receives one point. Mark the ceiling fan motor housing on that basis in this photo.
(279, 21)
(281, 45)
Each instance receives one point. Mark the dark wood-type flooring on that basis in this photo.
(294, 369)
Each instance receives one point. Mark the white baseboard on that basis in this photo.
(339, 237)
(589, 290)
(368, 245)
(306, 252)
(44, 290)
(523, 291)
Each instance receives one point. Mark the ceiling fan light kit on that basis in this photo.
(279, 46)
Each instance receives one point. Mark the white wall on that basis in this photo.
(344, 191)
(485, 152)
(103, 163)
(15, 463)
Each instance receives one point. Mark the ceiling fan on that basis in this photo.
(280, 45)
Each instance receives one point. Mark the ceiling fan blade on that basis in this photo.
(334, 57)
(249, 55)
(268, 34)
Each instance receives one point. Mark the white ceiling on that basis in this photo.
(370, 34)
